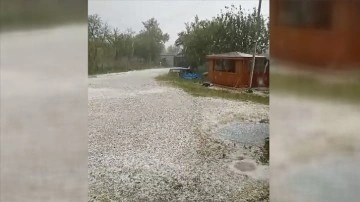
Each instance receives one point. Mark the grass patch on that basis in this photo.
(310, 86)
(264, 158)
(194, 88)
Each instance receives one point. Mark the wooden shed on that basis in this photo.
(234, 69)
(323, 33)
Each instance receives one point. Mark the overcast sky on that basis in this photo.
(170, 14)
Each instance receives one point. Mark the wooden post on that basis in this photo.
(266, 65)
(254, 53)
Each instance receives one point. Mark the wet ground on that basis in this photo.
(245, 133)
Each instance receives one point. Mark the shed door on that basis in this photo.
(243, 71)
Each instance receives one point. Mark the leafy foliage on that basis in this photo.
(173, 49)
(232, 30)
(151, 40)
(110, 50)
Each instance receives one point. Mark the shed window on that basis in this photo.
(305, 13)
(225, 65)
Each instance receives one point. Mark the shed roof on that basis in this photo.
(232, 55)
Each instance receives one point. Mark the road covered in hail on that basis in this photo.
(151, 142)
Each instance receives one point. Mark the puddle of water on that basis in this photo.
(246, 133)
(245, 166)
(249, 168)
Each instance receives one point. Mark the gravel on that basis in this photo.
(151, 142)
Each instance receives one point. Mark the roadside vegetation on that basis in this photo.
(113, 51)
(232, 30)
(194, 87)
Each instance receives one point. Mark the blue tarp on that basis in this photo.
(191, 75)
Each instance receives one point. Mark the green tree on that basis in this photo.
(172, 49)
(152, 39)
(122, 43)
(111, 50)
(232, 30)
(95, 41)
